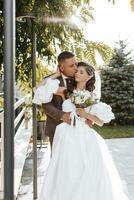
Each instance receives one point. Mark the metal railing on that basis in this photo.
(21, 142)
(9, 79)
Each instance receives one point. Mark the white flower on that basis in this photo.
(83, 98)
(75, 92)
(78, 100)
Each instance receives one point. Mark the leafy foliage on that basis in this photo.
(118, 85)
(48, 35)
(52, 36)
(25, 86)
(41, 71)
(87, 51)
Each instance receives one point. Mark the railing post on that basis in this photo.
(2, 151)
(34, 113)
(9, 68)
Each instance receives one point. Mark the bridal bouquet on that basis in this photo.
(83, 98)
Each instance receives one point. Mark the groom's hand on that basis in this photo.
(66, 118)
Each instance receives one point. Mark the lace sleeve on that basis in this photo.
(44, 93)
(101, 110)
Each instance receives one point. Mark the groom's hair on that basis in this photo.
(65, 55)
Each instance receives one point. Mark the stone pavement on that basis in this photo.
(122, 153)
(26, 187)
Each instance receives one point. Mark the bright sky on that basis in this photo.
(112, 22)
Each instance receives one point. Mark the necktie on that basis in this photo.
(68, 81)
(70, 84)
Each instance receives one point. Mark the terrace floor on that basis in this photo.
(122, 153)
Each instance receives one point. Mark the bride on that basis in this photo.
(81, 167)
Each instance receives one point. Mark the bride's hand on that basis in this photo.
(81, 112)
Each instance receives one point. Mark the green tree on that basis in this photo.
(121, 56)
(118, 85)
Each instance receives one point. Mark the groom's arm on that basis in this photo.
(52, 111)
(57, 114)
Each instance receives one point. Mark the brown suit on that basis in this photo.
(54, 113)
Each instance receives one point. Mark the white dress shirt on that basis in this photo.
(64, 79)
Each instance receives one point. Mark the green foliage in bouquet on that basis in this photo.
(83, 99)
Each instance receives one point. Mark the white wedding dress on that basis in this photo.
(81, 167)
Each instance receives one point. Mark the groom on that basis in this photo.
(68, 66)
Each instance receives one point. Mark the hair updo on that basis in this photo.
(91, 72)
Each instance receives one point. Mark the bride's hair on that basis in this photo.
(90, 70)
(89, 84)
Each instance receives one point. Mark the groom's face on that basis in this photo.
(69, 67)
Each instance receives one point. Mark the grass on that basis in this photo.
(108, 132)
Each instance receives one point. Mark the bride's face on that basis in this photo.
(81, 75)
